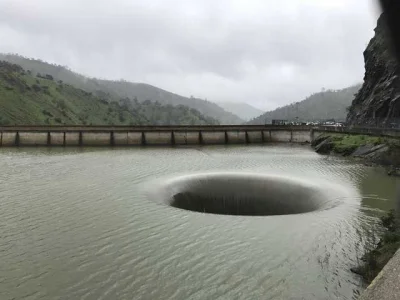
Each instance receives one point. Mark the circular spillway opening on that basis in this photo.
(243, 194)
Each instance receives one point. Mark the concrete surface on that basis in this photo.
(33, 138)
(211, 138)
(8, 138)
(120, 138)
(158, 138)
(236, 137)
(96, 139)
(162, 135)
(255, 137)
(386, 286)
(72, 139)
(281, 136)
(57, 138)
(186, 138)
(134, 138)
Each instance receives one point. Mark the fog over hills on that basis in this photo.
(243, 110)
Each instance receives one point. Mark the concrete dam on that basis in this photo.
(171, 135)
(150, 135)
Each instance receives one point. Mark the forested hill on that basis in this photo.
(122, 89)
(28, 99)
(330, 104)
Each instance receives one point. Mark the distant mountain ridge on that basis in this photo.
(243, 110)
(330, 104)
(40, 100)
(122, 89)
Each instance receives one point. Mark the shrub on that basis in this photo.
(46, 113)
(121, 117)
(61, 104)
(36, 88)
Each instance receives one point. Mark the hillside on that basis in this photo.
(122, 89)
(28, 99)
(320, 106)
(243, 110)
(378, 101)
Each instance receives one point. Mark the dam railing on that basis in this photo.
(149, 135)
(77, 135)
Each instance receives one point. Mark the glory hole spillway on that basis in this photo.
(255, 221)
(244, 194)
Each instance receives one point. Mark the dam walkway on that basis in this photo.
(170, 135)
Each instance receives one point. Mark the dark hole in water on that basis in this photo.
(235, 194)
(239, 205)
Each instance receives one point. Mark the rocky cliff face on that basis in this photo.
(378, 100)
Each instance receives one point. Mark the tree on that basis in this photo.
(147, 102)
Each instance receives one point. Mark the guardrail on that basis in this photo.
(76, 135)
(25, 135)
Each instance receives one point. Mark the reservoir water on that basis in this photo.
(93, 224)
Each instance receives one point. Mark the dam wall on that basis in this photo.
(171, 135)
(150, 135)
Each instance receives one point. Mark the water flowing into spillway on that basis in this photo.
(247, 194)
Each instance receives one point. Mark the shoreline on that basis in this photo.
(372, 151)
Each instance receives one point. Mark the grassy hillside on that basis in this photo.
(28, 99)
(320, 106)
(122, 89)
(243, 110)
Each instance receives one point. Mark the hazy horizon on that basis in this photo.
(264, 53)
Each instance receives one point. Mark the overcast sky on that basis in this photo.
(264, 52)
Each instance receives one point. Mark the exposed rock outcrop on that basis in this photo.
(378, 100)
(325, 146)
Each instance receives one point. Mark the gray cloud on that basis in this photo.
(264, 52)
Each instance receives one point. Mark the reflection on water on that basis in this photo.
(80, 224)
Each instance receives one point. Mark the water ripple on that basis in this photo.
(79, 224)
